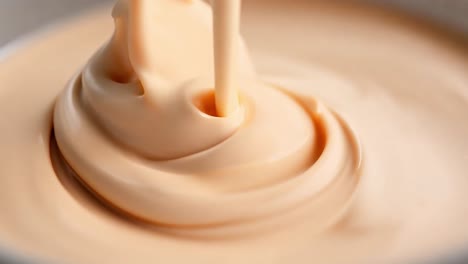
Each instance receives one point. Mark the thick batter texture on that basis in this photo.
(349, 144)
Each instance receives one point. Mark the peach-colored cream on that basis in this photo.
(345, 143)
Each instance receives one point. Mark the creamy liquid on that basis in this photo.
(226, 16)
(272, 182)
(195, 172)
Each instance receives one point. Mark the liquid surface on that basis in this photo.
(402, 87)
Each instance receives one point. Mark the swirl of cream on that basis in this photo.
(138, 127)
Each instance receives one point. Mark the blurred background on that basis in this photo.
(21, 16)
